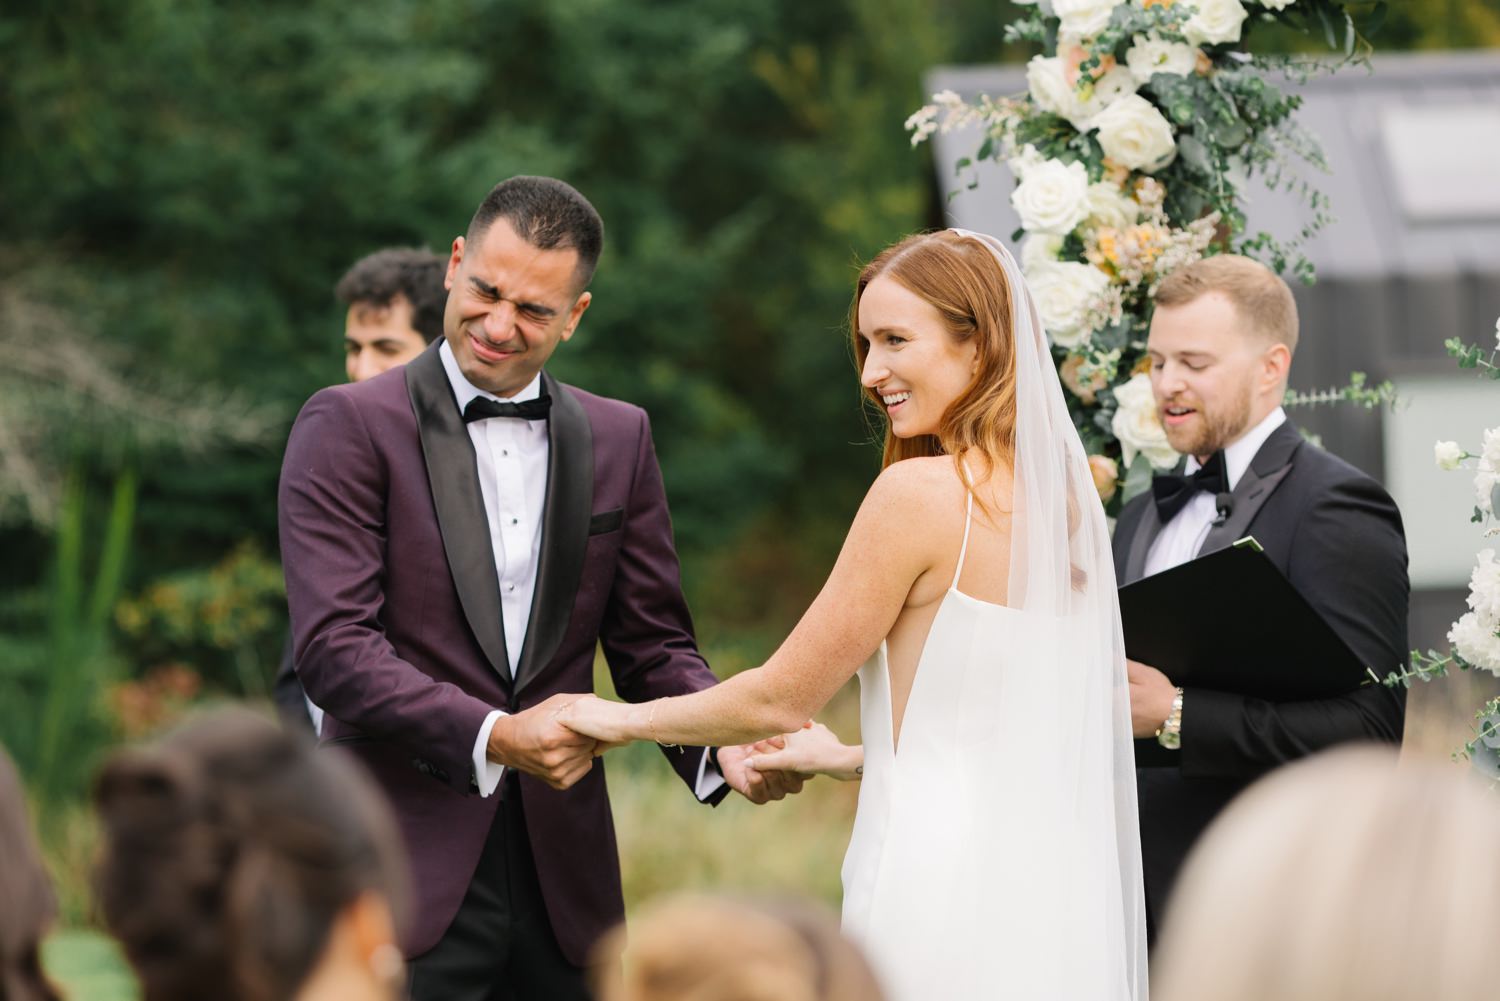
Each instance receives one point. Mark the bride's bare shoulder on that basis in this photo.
(918, 484)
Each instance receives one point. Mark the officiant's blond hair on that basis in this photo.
(1263, 301)
(960, 278)
(1346, 877)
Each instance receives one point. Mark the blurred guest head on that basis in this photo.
(722, 949)
(517, 280)
(241, 863)
(27, 905)
(932, 336)
(395, 299)
(1341, 878)
(1222, 337)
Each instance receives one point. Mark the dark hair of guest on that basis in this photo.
(27, 905)
(229, 849)
(548, 214)
(376, 279)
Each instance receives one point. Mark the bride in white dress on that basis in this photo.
(996, 850)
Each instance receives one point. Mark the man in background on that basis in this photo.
(395, 299)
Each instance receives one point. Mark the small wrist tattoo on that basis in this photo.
(859, 769)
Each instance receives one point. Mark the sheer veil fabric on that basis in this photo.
(998, 855)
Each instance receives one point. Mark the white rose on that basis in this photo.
(1215, 21)
(1475, 643)
(1065, 293)
(1497, 334)
(1134, 134)
(1484, 589)
(1152, 54)
(1137, 425)
(1040, 248)
(1108, 206)
(1049, 86)
(1084, 18)
(1447, 454)
(1053, 198)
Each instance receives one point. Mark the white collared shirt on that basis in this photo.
(511, 454)
(1182, 537)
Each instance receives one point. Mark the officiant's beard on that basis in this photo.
(1216, 426)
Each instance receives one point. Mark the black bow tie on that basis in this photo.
(1172, 491)
(482, 407)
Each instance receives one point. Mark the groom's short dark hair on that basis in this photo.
(548, 214)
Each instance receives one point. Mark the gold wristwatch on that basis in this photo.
(1170, 734)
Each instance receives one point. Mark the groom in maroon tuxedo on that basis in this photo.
(458, 535)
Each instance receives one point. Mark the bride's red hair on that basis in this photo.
(962, 280)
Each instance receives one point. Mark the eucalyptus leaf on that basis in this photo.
(1192, 149)
(1137, 479)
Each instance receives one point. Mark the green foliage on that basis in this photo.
(226, 622)
(88, 965)
(54, 677)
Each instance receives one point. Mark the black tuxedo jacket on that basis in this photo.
(1336, 534)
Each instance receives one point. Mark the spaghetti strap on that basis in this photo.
(968, 519)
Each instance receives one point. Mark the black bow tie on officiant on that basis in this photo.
(1172, 491)
(482, 407)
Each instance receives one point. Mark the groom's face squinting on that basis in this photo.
(509, 305)
(1212, 378)
(912, 362)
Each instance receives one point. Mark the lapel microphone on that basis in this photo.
(1224, 504)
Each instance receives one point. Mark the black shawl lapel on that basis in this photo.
(454, 478)
(565, 529)
(1269, 467)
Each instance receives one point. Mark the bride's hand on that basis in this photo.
(813, 750)
(601, 719)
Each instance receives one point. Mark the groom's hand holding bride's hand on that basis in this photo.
(536, 743)
(812, 750)
(610, 724)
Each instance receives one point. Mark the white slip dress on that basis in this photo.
(984, 861)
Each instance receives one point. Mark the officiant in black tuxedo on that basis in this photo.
(1221, 344)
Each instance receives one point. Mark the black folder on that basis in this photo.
(1229, 621)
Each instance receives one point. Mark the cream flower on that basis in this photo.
(1487, 473)
(1476, 642)
(1053, 198)
(1067, 294)
(1023, 161)
(1152, 54)
(1214, 22)
(1117, 83)
(1134, 134)
(1447, 454)
(1497, 334)
(1484, 589)
(1083, 18)
(1138, 427)
(1040, 248)
(1108, 206)
(1276, 4)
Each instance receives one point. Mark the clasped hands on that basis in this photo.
(557, 741)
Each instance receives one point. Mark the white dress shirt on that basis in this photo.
(511, 454)
(1180, 539)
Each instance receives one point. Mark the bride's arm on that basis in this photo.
(882, 557)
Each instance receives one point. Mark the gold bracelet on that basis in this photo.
(651, 723)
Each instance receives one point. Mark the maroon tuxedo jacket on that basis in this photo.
(397, 633)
